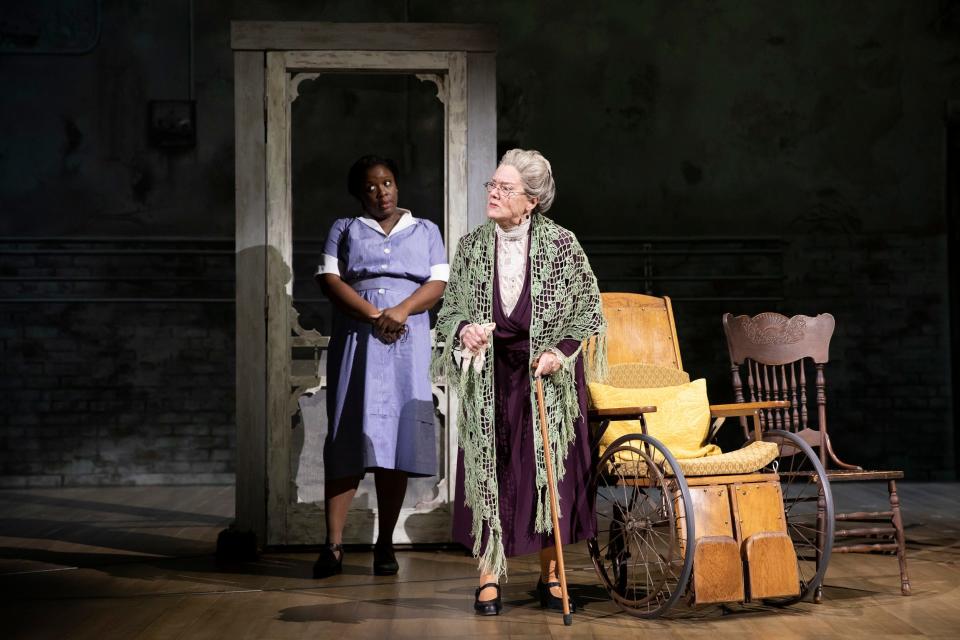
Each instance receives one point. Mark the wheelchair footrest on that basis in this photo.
(717, 570)
(771, 564)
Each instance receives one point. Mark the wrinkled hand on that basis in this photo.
(547, 364)
(473, 337)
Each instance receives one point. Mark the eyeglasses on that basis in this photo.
(504, 192)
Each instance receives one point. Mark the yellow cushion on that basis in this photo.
(681, 422)
(751, 458)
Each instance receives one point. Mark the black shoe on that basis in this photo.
(488, 607)
(550, 601)
(384, 561)
(330, 561)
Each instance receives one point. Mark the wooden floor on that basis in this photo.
(137, 563)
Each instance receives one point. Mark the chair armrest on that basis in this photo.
(619, 413)
(745, 408)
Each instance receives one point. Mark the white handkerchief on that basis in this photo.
(479, 356)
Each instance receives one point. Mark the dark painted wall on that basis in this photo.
(819, 123)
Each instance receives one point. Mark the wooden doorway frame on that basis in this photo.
(270, 58)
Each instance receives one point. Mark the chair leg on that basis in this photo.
(901, 542)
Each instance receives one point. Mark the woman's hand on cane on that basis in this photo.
(547, 364)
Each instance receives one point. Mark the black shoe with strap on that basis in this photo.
(550, 601)
(488, 607)
(330, 562)
(384, 560)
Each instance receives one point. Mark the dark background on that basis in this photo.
(802, 157)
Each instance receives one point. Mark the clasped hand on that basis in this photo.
(390, 324)
(474, 338)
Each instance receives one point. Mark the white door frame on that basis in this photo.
(271, 59)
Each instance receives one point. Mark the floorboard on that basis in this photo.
(137, 562)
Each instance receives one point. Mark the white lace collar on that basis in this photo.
(516, 233)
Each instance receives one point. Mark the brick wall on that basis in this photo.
(108, 392)
(889, 379)
(112, 388)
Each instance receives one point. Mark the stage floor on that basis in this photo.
(137, 563)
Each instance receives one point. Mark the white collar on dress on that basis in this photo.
(406, 220)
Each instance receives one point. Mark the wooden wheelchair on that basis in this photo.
(736, 527)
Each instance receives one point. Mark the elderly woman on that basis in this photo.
(520, 302)
(382, 270)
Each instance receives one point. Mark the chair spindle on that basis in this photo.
(794, 413)
(803, 393)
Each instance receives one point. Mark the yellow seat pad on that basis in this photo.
(751, 458)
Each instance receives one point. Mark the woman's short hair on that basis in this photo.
(536, 174)
(357, 176)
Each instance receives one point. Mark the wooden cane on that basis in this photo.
(554, 510)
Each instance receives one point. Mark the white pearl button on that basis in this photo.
(383, 266)
(380, 290)
(387, 250)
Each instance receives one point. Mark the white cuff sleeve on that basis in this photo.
(330, 265)
(440, 272)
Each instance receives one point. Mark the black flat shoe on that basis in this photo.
(330, 562)
(384, 561)
(488, 607)
(550, 601)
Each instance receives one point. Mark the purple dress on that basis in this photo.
(379, 398)
(516, 466)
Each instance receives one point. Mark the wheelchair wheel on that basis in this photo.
(808, 510)
(641, 551)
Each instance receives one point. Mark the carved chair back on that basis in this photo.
(640, 328)
(773, 357)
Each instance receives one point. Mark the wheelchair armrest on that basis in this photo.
(741, 410)
(606, 416)
(745, 408)
(619, 413)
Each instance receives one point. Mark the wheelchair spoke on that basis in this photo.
(618, 537)
(805, 538)
(660, 559)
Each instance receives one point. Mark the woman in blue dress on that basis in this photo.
(382, 270)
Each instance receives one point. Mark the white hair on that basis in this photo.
(536, 174)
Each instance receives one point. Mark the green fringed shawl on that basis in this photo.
(565, 304)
